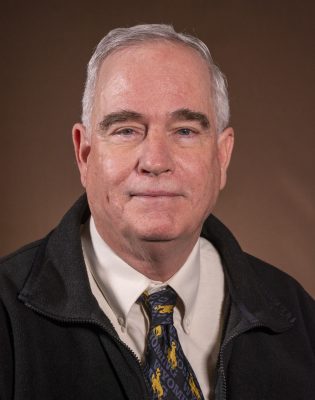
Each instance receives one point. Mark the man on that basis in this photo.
(79, 308)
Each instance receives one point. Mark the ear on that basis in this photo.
(225, 147)
(82, 149)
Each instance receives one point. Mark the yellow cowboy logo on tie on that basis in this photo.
(167, 309)
(157, 330)
(193, 388)
(156, 384)
(171, 355)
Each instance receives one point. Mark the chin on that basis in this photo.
(156, 232)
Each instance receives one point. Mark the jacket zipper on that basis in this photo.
(105, 329)
(225, 343)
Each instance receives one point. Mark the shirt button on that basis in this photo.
(121, 321)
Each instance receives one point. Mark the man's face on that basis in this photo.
(154, 165)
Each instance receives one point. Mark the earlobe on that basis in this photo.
(82, 149)
(225, 148)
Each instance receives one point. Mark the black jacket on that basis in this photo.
(56, 343)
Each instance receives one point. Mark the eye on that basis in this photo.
(185, 132)
(125, 132)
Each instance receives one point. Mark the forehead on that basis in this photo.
(144, 74)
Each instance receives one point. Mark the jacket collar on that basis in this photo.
(255, 302)
(58, 285)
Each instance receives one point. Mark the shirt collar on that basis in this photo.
(122, 285)
(186, 283)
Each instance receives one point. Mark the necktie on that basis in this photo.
(166, 368)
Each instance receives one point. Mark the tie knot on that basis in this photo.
(160, 306)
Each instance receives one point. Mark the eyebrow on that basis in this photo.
(185, 114)
(120, 116)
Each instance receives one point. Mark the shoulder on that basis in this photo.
(273, 276)
(285, 289)
(15, 267)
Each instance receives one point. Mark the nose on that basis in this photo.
(156, 156)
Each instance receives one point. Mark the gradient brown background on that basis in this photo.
(266, 49)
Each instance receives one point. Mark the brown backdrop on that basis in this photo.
(265, 48)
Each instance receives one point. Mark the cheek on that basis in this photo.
(98, 177)
(205, 181)
(107, 169)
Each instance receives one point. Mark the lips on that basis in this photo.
(154, 193)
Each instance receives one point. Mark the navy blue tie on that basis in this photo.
(166, 368)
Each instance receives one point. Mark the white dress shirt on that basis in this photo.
(199, 284)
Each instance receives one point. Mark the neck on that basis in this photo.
(157, 260)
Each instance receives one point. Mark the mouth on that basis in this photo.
(154, 194)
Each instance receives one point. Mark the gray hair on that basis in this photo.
(124, 37)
